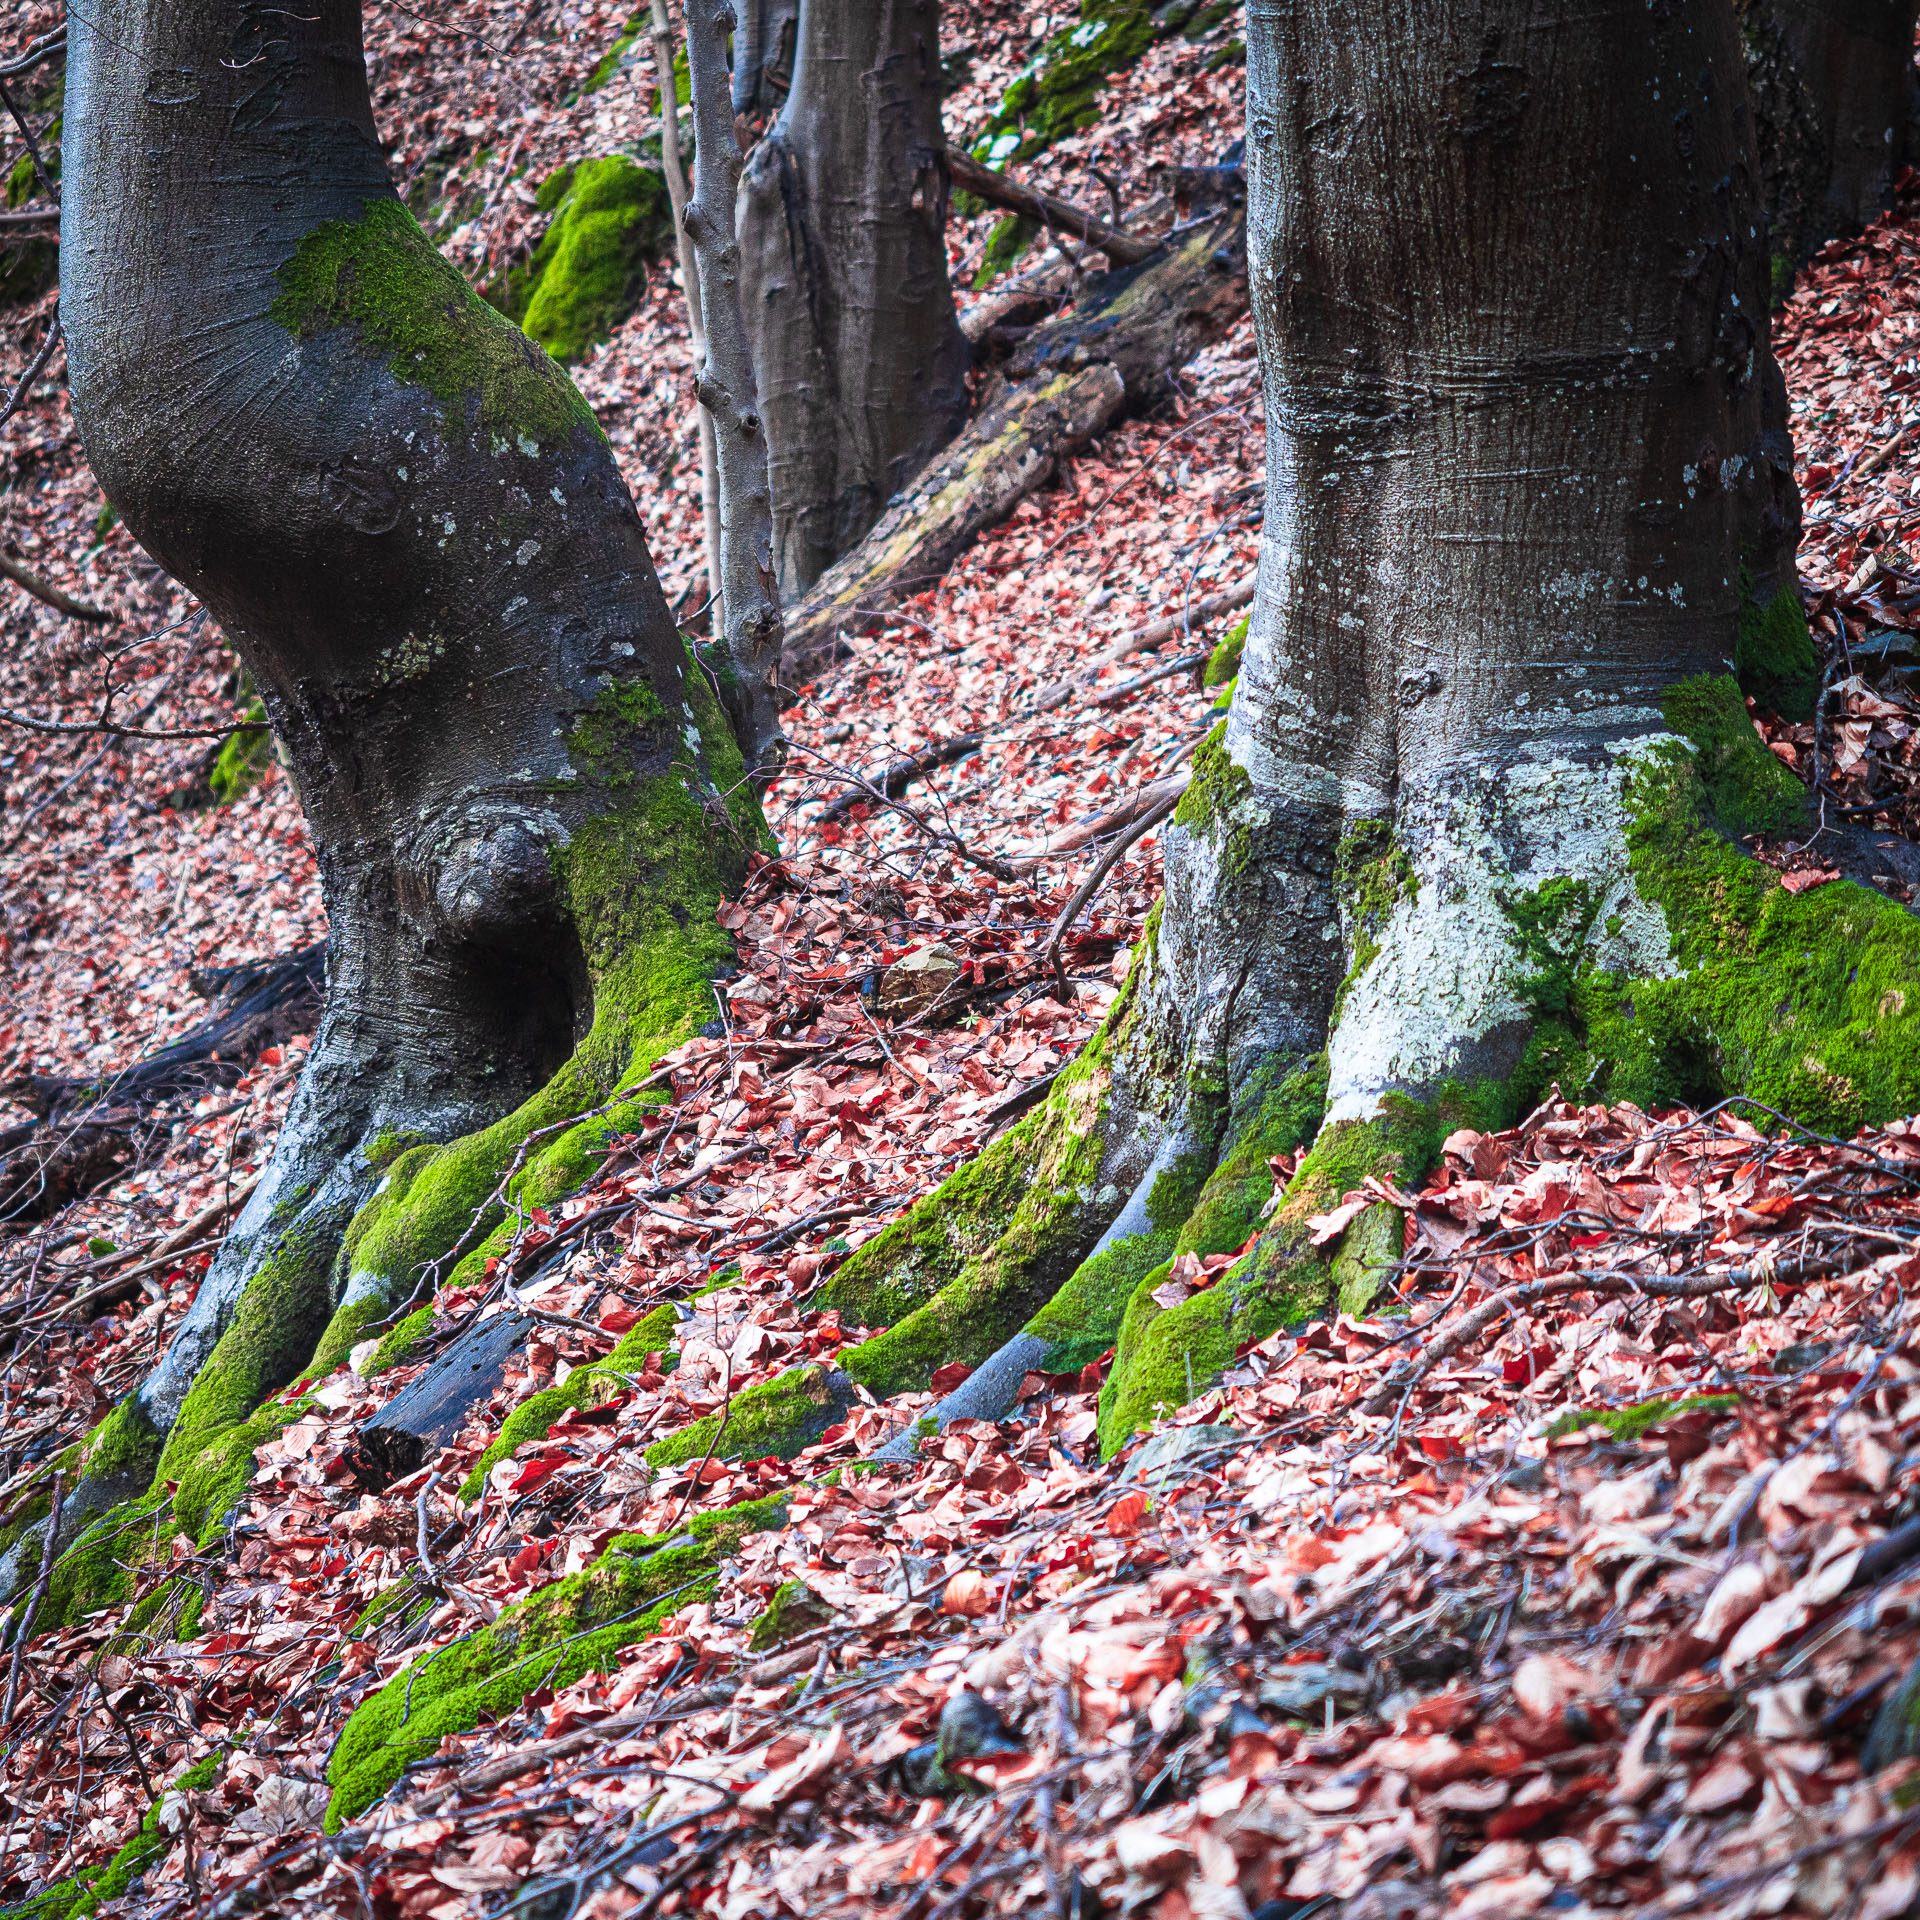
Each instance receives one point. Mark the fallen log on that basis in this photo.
(416, 1423)
(1068, 379)
(86, 1132)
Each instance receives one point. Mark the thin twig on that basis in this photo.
(40, 1586)
(35, 367)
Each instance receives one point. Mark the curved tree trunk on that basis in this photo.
(861, 363)
(1833, 89)
(416, 535)
(1471, 826)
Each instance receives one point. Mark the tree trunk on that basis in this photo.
(1471, 825)
(1833, 89)
(524, 798)
(861, 364)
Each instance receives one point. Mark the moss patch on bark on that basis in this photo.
(381, 276)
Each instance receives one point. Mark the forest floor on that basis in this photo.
(1600, 1595)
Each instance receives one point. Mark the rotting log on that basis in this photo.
(417, 1422)
(1125, 337)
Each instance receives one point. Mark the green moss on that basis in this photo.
(772, 1420)
(569, 1628)
(1552, 924)
(124, 1446)
(584, 1387)
(1748, 791)
(1774, 658)
(105, 521)
(266, 1344)
(215, 1480)
(1164, 1356)
(1010, 238)
(1371, 875)
(794, 1609)
(398, 1342)
(590, 268)
(1223, 664)
(243, 758)
(1215, 795)
(1058, 91)
(1629, 1423)
(381, 276)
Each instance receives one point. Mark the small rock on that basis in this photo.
(1157, 1458)
(916, 980)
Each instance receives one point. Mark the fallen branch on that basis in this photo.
(1147, 640)
(1148, 819)
(41, 49)
(1658, 1286)
(1059, 216)
(35, 367)
(50, 595)
(1067, 381)
(1163, 795)
(901, 774)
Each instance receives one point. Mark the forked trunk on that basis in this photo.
(861, 362)
(414, 532)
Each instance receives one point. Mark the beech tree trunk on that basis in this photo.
(860, 360)
(523, 796)
(1472, 829)
(1833, 90)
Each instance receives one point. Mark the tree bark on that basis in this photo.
(862, 367)
(1833, 89)
(728, 395)
(1065, 381)
(524, 798)
(676, 172)
(1471, 830)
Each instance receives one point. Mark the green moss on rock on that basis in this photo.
(1058, 91)
(243, 759)
(1223, 664)
(1009, 239)
(590, 268)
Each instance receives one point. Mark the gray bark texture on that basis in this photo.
(1509, 284)
(413, 531)
(842, 220)
(749, 597)
(1834, 97)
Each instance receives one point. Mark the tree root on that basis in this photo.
(549, 1639)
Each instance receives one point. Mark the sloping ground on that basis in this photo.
(1589, 1599)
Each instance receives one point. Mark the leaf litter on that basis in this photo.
(1585, 1579)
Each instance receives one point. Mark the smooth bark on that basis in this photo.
(1834, 95)
(860, 359)
(523, 798)
(726, 385)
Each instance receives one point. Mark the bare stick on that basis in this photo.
(1050, 954)
(52, 596)
(34, 370)
(55, 42)
(422, 1534)
(676, 171)
(33, 1604)
(725, 383)
(997, 190)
